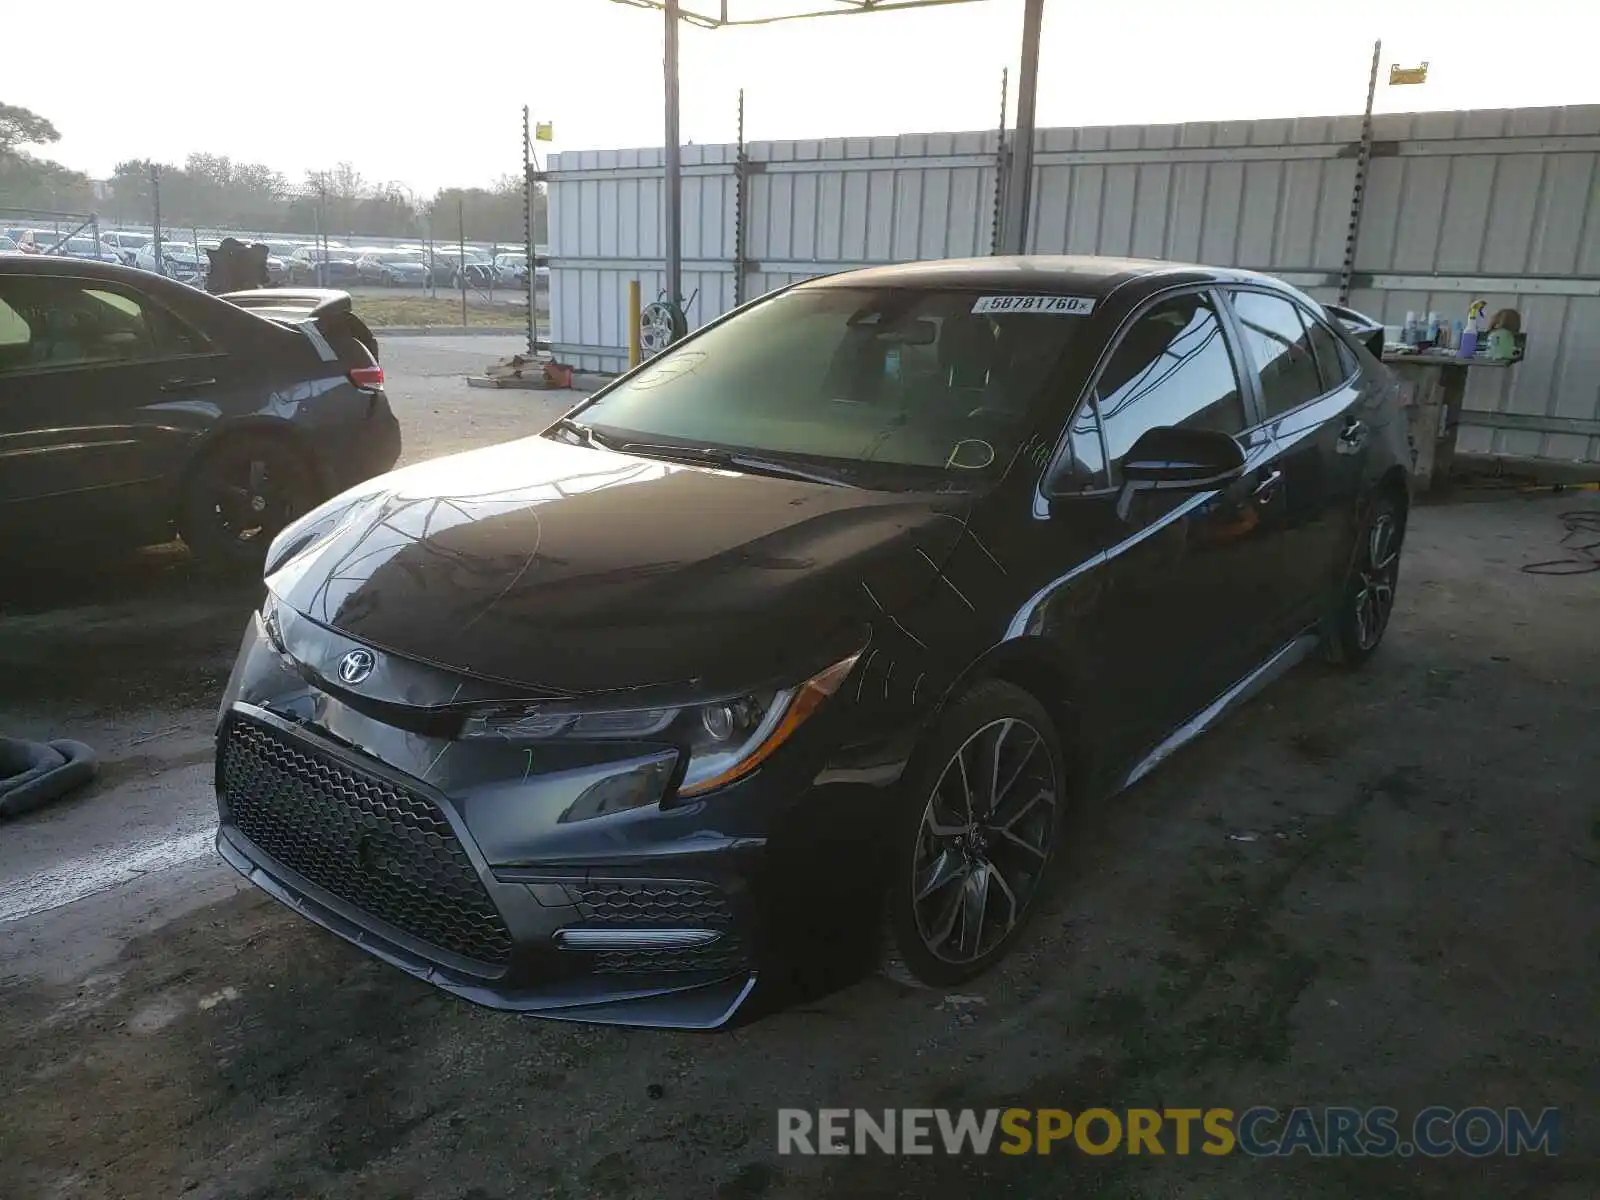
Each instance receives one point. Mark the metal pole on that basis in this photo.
(461, 260)
(633, 323)
(672, 202)
(740, 183)
(1358, 192)
(1019, 175)
(155, 217)
(527, 222)
(999, 165)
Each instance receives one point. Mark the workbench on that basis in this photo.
(1432, 385)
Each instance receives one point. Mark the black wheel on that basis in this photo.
(241, 494)
(975, 837)
(1366, 599)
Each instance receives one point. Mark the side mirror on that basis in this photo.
(1167, 459)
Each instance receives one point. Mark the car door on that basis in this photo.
(93, 377)
(1310, 397)
(1186, 576)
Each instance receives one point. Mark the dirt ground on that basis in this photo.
(1370, 888)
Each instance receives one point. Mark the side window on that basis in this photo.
(1335, 363)
(50, 322)
(1281, 348)
(1171, 368)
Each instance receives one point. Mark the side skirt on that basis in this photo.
(1281, 662)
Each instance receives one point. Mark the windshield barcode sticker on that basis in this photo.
(1059, 306)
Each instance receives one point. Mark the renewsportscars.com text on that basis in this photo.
(1259, 1132)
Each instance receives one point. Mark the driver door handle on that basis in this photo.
(1267, 489)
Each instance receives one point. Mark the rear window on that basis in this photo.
(863, 377)
(1279, 344)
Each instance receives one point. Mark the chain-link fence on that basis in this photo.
(457, 256)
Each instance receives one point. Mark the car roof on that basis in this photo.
(93, 268)
(1063, 274)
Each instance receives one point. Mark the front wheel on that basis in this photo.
(975, 837)
(1366, 599)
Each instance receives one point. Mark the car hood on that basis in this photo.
(573, 570)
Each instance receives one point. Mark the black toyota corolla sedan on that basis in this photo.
(806, 632)
(133, 407)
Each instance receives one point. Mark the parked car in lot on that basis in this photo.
(179, 260)
(392, 268)
(804, 633)
(450, 267)
(38, 241)
(511, 270)
(315, 267)
(88, 247)
(133, 407)
(278, 256)
(125, 245)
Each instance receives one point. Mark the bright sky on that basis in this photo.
(431, 97)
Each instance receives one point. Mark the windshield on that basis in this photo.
(397, 258)
(896, 378)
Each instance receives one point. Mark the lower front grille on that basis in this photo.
(683, 903)
(382, 847)
(725, 954)
(660, 904)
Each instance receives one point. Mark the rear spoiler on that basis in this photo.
(1365, 330)
(331, 312)
(293, 304)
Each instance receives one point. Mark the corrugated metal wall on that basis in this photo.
(1501, 204)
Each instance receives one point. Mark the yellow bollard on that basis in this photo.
(633, 323)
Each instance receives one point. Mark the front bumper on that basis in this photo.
(425, 854)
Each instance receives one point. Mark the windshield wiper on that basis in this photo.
(731, 460)
(589, 437)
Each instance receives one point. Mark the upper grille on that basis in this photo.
(384, 848)
(687, 903)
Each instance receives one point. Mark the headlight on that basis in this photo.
(724, 740)
(271, 623)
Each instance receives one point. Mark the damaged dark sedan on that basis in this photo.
(804, 634)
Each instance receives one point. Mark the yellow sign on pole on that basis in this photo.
(1403, 75)
(544, 131)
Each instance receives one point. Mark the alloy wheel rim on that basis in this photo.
(984, 841)
(249, 505)
(1375, 581)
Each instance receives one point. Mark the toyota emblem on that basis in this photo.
(356, 666)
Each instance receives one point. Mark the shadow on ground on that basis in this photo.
(1372, 888)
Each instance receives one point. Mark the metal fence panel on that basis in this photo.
(1500, 204)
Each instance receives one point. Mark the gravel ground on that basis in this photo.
(1363, 888)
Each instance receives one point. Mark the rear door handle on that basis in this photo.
(1268, 487)
(1353, 436)
(185, 385)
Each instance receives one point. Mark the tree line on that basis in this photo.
(213, 191)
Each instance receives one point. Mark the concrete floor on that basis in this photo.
(1368, 888)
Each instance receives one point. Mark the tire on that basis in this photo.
(240, 494)
(1352, 633)
(960, 888)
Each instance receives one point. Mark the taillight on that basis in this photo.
(368, 378)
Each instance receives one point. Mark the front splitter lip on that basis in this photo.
(705, 1005)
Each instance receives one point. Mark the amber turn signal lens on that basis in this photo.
(808, 697)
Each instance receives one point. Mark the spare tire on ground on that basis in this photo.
(34, 773)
